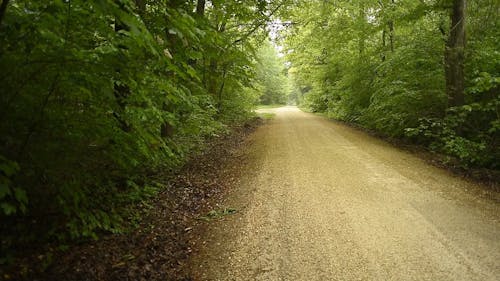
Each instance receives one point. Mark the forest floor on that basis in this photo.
(320, 200)
(159, 247)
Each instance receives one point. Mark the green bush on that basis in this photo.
(97, 96)
(469, 133)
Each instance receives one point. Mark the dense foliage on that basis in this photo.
(97, 97)
(272, 83)
(427, 71)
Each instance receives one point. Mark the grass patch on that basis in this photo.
(268, 106)
(217, 214)
(266, 115)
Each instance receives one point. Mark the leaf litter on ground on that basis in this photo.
(161, 244)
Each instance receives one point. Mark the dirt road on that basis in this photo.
(327, 202)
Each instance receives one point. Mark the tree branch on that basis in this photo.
(262, 22)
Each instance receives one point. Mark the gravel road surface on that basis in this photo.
(323, 201)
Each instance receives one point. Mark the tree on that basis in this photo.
(346, 63)
(455, 54)
(270, 76)
(118, 91)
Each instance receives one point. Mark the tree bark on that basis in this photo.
(390, 27)
(167, 130)
(221, 90)
(383, 45)
(454, 55)
(391, 34)
(141, 6)
(391, 30)
(200, 8)
(3, 9)
(121, 90)
(362, 36)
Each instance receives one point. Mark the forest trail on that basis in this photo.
(324, 201)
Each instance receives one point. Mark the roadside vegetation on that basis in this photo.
(423, 71)
(268, 106)
(101, 100)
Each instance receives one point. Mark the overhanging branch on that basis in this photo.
(260, 23)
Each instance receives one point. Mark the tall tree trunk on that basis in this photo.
(390, 26)
(3, 9)
(121, 90)
(361, 21)
(391, 29)
(212, 86)
(200, 7)
(391, 34)
(454, 55)
(383, 45)
(167, 130)
(141, 6)
(221, 89)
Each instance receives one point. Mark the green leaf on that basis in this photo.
(9, 168)
(8, 208)
(4, 187)
(21, 196)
